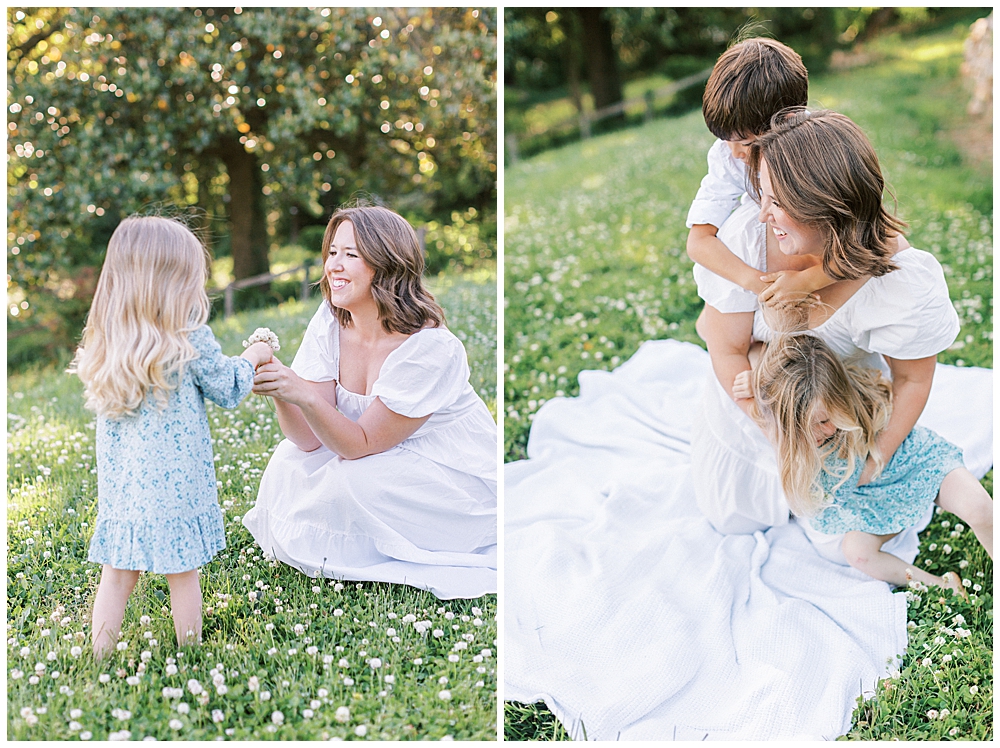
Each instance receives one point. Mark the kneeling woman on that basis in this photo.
(388, 472)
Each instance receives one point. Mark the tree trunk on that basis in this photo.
(602, 61)
(571, 27)
(248, 233)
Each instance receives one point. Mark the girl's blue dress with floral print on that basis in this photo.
(158, 507)
(898, 497)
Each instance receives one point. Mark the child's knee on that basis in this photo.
(858, 549)
(124, 579)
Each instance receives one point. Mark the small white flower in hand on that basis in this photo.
(263, 335)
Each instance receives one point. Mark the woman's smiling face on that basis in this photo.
(348, 274)
(794, 238)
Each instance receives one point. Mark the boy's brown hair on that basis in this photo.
(752, 81)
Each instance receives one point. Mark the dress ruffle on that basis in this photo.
(147, 545)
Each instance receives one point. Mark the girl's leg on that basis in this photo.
(864, 552)
(185, 603)
(964, 496)
(109, 607)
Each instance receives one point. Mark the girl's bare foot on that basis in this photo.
(954, 582)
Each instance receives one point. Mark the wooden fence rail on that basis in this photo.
(585, 120)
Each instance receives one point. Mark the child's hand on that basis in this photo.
(743, 386)
(791, 287)
(258, 354)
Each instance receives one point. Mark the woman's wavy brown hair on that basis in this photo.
(825, 174)
(389, 246)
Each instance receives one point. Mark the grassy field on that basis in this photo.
(284, 656)
(595, 264)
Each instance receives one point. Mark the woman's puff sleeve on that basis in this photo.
(225, 380)
(316, 359)
(427, 373)
(907, 314)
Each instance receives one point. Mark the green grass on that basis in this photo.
(595, 264)
(281, 654)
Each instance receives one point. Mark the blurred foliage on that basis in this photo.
(117, 110)
(676, 41)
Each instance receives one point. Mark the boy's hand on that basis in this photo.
(743, 386)
(258, 354)
(792, 286)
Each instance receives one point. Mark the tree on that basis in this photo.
(601, 57)
(243, 113)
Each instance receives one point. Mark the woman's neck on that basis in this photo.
(366, 323)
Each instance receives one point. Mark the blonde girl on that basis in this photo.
(147, 361)
(824, 418)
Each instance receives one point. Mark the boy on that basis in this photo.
(750, 82)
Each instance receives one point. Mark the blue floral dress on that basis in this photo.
(158, 507)
(899, 497)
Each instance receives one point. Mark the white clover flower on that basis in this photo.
(312, 650)
(307, 713)
(361, 731)
(343, 663)
(175, 724)
(183, 708)
(222, 689)
(973, 690)
(145, 620)
(263, 335)
(104, 678)
(443, 679)
(390, 679)
(277, 718)
(390, 632)
(265, 695)
(315, 704)
(337, 613)
(438, 633)
(76, 651)
(375, 663)
(444, 695)
(75, 726)
(327, 659)
(51, 656)
(348, 681)
(299, 629)
(418, 661)
(194, 687)
(322, 693)
(453, 658)
(409, 618)
(146, 656)
(253, 684)
(122, 646)
(218, 715)
(932, 714)
(343, 714)
(132, 680)
(86, 735)
(15, 674)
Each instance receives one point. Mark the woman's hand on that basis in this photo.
(280, 382)
(743, 386)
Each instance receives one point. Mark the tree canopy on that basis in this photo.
(251, 114)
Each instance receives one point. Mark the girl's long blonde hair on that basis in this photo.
(150, 295)
(797, 373)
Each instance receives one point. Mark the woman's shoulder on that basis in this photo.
(906, 313)
(430, 343)
(918, 275)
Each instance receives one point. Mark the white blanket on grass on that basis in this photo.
(632, 618)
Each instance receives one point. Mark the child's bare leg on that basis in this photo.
(964, 496)
(185, 603)
(109, 607)
(864, 552)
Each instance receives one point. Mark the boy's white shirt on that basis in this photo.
(721, 189)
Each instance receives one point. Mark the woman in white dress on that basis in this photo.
(820, 192)
(388, 472)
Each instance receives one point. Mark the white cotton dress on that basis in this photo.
(422, 513)
(634, 619)
(905, 314)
